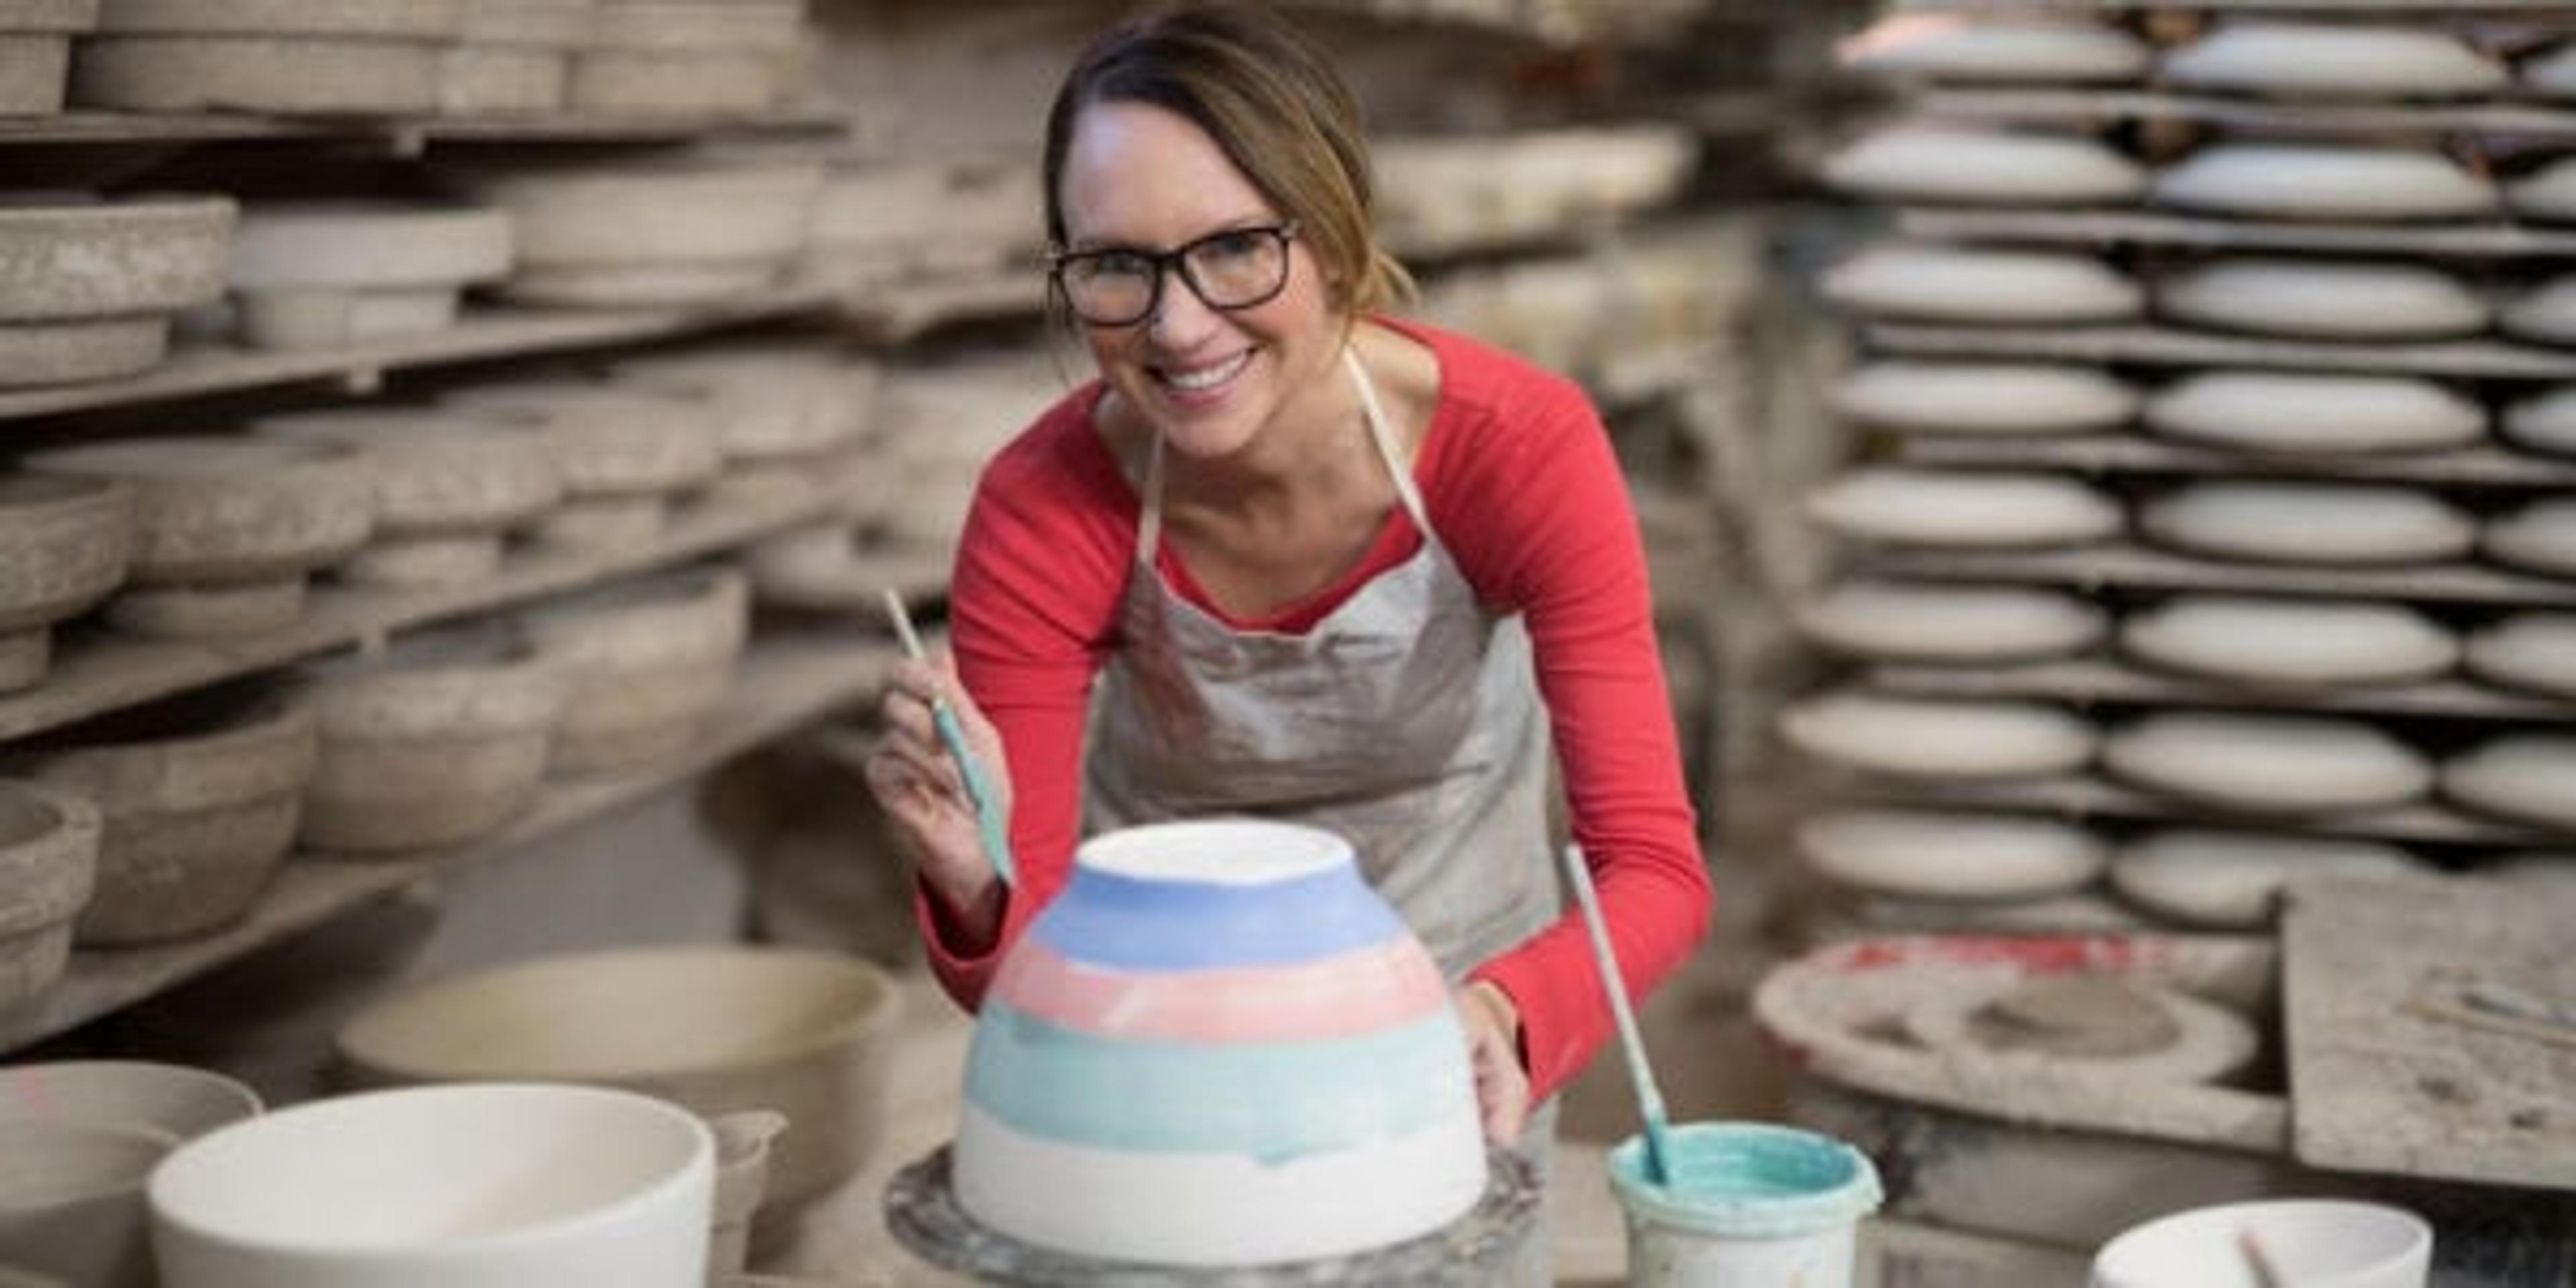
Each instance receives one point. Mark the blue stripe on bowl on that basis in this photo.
(1159, 925)
(1275, 1102)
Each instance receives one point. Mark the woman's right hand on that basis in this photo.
(922, 791)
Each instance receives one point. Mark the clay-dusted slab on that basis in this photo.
(288, 74)
(48, 867)
(199, 797)
(437, 473)
(430, 20)
(638, 213)
(366, 243)
(212, 510)
(65, 256)
(606, 442)
(61, 353)
(35, 70)
(64, 543)
(426, 750)
(768, 402)
(495, 80)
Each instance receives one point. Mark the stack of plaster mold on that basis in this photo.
(36, 52)
(626, 458)
(64, 545)
(449, 488)
(88, 286)
(940, 422)
(48, 868)
(689, 57)
(1448, 195)
(326, 274)
(645, 664)
(282, 56)
(649, 233)
(787, 419)
(513, 56)
(200, 797)
(439, 742)
(226, 529)
(888, 222)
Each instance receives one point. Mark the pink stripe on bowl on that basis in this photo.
(1348, 994)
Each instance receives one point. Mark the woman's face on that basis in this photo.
(1141, 177)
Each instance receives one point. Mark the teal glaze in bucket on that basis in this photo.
(1752, 1205)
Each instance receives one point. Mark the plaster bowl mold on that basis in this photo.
(2315, 413)
(447, 486)
(604, 523)
(2267, 763)
(710, 226)
(606, 442)
(2232, 880)
(1956, 165)
(1962, 509)
(199, 797)
(35, 52)
(2311, 523)
(1985, 399)
(1961, 857)
(2385, 300)
(820, 567)
(771, 401)
(2522, 777)
(2537, 535)
(1999, 48)
(60, 353)
(1982, 284)
(316, 274)
(64, 544)
(439, 743)
(284, 74)
(2533, 651)
(1934, 739)
(67, 256)
(48, 868)
(71, 1200)
(886, 219)
(2325, 181)
(646, 662)
(1903, 622)
(2290, 643)
(718, 1030)
(484, 80)
(2315, 60)
(208, 612)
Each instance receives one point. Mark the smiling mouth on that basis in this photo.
(1200, 380)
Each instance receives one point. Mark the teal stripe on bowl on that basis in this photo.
(1275, 1102)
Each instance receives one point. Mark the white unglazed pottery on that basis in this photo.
(2537, 535)
(2323, 299)
(606, 441)
(2000, 49)
(2320, 523)
(199, 797)
(71, 1199)
(175, 1099)
(283, 74)
(2328, 181)
(64, 543)
(1981, 284)
(87, 286)
(484, 80)
(48, 868)
(743, 1145)
(1985, 399)
(645, 664)
(2304, 1241)
(1960, 509)
(2276, 58)
(35, 52)
(1938, 738)
(1189, 973)
(2231, 880)
(2544, 421)
(429, 746)
(2268, 764)
(306, 273)
(2545, 313)
(1930, 854)
(1901, 622)
(2534, 651)
(678, 82)
(60, 352)
(2292, 643)
(1955, 164)
(2522, 777)
(447, 486)
(770, 401)
(710, 226)
(500, 1185)
(719, 1030)
(2315, 413)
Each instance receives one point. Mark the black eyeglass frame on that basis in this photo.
(1174, 263)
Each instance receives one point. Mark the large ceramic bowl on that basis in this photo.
(499, 1186)
(71, 1200)
(720, 1030)
(1218, 1046)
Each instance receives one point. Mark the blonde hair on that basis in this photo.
(1272, 101)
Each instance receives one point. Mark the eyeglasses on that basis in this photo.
(1121, 286)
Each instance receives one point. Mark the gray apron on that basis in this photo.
(1408, 720)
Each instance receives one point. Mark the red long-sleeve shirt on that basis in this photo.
(1518, 478)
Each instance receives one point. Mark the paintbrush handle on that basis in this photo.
(992, 833)
(1650, 1101)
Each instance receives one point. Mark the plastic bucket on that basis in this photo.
(2314, 1243)
(1751, 1205)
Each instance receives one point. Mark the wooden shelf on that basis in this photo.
(95, 671)
(2140, 566)
(408, 135)
(2145, 228)
(2086, 681)
(2523, 119)
(481, 333)
(2175, 347)
(2080, 796)
(2443, 8)
(2140, 454)
(779, 686)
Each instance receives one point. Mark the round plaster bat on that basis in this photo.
(1955, 624)
(2268, 764)
(2522, 777)
(1985, 399)
(2546, 193)
(2317, 523)
(2540, 536)
(2531, 651)
(2290, 643)
(1998, 49)
(1979, 284)
(1932, 854)
(1939, 739)
(2323, 299)
(2315, 413)
(1955, 164)
(2544, 422)
(2331, 60)
(2232, 880)
(1964, 510)
(2546, 313)
(2330, 181)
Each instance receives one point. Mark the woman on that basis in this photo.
(1294, 558)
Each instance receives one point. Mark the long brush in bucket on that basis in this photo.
(1650, 1102)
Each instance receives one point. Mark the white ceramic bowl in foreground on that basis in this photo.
(498, 1185)
(2314, 1243)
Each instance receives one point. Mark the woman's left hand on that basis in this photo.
(1493, 1027)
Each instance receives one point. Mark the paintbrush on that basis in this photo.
(1650, 1102)
(995, 835)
